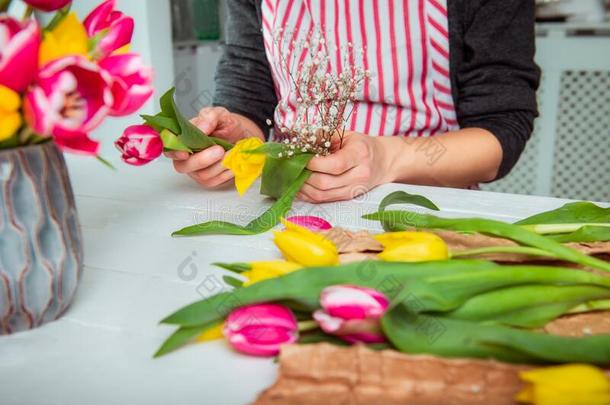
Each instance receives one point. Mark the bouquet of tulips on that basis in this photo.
(60, 81)
(417, 296)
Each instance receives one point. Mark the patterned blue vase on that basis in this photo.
(41, 255)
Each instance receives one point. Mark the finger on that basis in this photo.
(209, 120)
(337, 163)
(177, 155)
(200, 160)
(213, 182)
(211, 172)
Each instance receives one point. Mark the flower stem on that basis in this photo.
(599, 305)
(4, 5)
(549, 229)
(28, 12)
(305, 326)
(524, 250)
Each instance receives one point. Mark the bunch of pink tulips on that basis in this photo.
(59, 82)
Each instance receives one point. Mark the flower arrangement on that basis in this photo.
(323, 106)
(61, 81)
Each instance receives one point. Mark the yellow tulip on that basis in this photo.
(246, 167)
(260, 271)
(213, 333)
(10, 119)
(412, 247)
(573, 384)
(68, 38)
(302, 246)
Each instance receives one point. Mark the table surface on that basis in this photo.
(100, 352)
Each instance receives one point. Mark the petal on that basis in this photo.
(9, 124)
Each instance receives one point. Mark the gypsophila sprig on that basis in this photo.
(323, 97)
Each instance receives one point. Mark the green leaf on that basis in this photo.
(577, 212)
(437, 286)
(167, 103)
(181, 337)
(437, 335)
(271, 149)
(160, 122)
(171, 142)
(585, 234)
(521, 305)
(280, 173)
(234, 267)
(263, 223)
(402, 197)
(401, 220)
(221, 142)
(232, 281)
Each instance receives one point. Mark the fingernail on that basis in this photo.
(217, 152)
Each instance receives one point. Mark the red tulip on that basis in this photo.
(48, 5)
(19, 46)
(70, 98)
(139, 145)
(117, 28)
(131, 82)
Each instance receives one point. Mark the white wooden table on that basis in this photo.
(100, 352)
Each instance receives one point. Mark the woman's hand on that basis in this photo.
(206, 167)
(362, 163)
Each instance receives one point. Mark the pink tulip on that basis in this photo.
(139, 145)
(312, 223)
(352, 313)
(261, 329)
(19, 45)
(48, 5)
(70, 98)
(116, 26)
(131, 82)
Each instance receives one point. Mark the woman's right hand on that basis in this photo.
(206, 167)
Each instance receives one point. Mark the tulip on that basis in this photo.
(19, 45)
(10, 119)
(260, 271)
(114, 27)
(312, 223)
(572, 384)
(70, 99)
(352, 313)
(302, 246)
(261, 329)
(412, 247)
(131, 82)
(48, 5)
(68, 38)
(246, 167)
(139, 145)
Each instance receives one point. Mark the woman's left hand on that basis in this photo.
(361, 164)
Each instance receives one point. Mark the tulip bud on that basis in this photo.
(302, 246)
(48, 5)
(115, 27)
(412, 247)
(261, 329)
(246, 167)
(312, 223)
(352, 313)
(139, 145)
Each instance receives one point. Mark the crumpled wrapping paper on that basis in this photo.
(327, 374)
(360, 245)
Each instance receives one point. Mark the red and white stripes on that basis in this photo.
(403, 43)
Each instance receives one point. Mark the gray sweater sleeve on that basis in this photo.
(244, 84)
